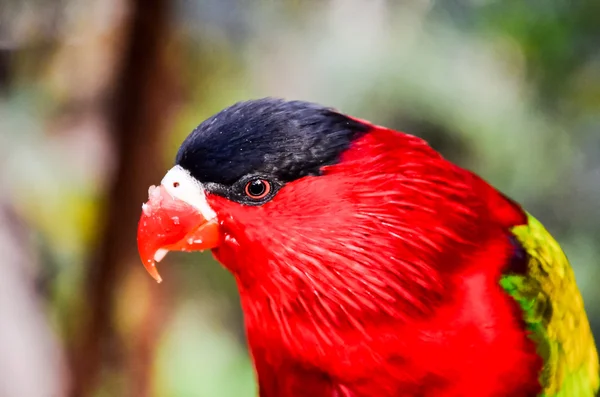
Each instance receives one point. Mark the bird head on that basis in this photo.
(241, 172)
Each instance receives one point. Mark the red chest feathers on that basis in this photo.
(471, 347)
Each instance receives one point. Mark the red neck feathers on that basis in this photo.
(380, 278)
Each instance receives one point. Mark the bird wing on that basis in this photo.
(554, 314)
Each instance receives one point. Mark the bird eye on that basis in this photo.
(257, 189)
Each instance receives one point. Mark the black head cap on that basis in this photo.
(284, 140)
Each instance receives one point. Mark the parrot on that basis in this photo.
(369, 265)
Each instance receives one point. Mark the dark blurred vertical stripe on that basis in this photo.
(5, 58)
(138, 114)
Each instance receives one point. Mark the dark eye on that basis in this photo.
(257, 189)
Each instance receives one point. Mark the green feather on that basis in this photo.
(555, 317)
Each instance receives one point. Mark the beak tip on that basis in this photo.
(151, 268)
(156, 276)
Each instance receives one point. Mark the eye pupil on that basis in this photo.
(175, 184)
(258, 188)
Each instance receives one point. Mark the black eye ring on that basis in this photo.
(258, 189)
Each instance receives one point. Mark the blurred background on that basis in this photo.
(96, 96)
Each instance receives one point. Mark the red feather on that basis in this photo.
(380, 278)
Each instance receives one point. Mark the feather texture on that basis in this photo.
(385, 276)
(375, 267)
(554, 314)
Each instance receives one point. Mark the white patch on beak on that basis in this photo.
(183, 186)
(160, 254)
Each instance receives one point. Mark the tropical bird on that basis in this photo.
(369, 265)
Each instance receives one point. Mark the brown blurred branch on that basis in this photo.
(138, 118)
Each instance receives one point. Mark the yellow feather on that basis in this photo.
(554, 312)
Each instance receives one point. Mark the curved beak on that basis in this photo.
(170, 224)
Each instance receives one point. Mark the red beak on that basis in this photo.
(170, 224)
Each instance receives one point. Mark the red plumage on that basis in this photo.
(380, 278)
